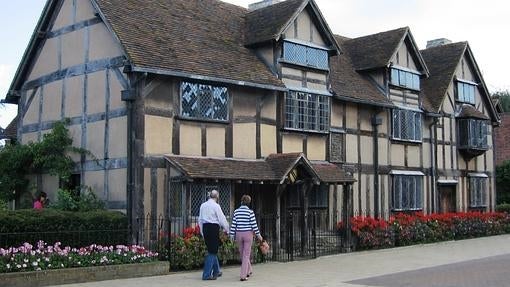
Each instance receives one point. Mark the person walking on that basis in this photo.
(210, 219)
(243, 227)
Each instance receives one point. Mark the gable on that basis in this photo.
(406, 57)
(304, 29)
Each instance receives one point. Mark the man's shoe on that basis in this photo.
(219, 274)
(211, 278)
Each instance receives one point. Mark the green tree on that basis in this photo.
(504, 99)
(51, 155)
(503, 183)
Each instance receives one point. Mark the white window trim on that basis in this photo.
(406, 172)
(447, 181)
(402, 107)
(477, 174)
(310, 91)
(306, 43)
(406, 69)
(467, 82)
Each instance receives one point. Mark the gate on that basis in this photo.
(291, 241)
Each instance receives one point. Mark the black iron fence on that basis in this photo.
(292, 236)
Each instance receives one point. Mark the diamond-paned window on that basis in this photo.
(307, 112)
(205, 102)
(407, 192)
(305, 55)
(198, 195)
(407, 125)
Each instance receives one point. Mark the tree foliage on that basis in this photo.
(504, 99)
(51, 155)
(503, 183)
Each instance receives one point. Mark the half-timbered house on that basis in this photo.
(176, 98)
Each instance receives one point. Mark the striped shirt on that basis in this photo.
(243, 220)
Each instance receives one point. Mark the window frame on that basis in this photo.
(211, 102)
(473, 133)
(397, 71)
(461, 85)
(296, 117)
(417, 120)
(307, 48)
(417, 180)
(477, 195)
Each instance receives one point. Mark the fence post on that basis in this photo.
(314, 234)
(291, 236)
(168, 244)
(346, 217)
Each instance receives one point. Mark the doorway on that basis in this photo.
(447, 198)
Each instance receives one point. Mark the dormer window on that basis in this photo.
(466, 92)
(405, 78)
(305, 55)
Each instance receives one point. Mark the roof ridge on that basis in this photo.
(382, 32)
(446, 45)
(285, 2)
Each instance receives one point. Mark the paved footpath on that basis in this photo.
(376, 268)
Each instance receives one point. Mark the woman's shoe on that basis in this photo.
(249, 274)
(244, 279)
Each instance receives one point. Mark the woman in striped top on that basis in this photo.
(242, 229)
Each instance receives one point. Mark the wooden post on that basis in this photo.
(279, 191)
(305, 189)
(346, 217)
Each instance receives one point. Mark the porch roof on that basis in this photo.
(275, 168)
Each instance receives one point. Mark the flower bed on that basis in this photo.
(187, 252)
(416, 228)
(45, 257)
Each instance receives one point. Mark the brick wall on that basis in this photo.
(502, 139)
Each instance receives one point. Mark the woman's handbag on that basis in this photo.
(264, 247)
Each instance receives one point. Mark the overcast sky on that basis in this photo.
(485, 24)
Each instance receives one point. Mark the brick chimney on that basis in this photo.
(438, 42)
(262, 4)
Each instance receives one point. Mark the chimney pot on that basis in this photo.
(438, 42)
(262, 4)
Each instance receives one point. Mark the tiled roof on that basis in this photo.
(468, 111)
(374, 51)
(273, 169)
(266, 23)
(351, 85)
(442, 62)
(202, 38)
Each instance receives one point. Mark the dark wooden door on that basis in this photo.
(447, 198)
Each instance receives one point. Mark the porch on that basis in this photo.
(297, 202)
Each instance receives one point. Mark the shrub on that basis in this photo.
(503, 183)
(187, 252)
(505, 207)
(86, 200)
(416, 228)
(70, 228)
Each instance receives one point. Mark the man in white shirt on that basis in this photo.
(210, 219)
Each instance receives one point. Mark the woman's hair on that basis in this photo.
(41, 195)
(245, 199)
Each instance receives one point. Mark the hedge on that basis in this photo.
(407, 229)
(505, 207)
(75, 229)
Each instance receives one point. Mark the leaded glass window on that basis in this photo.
(205, 102)
(473, 134)
(407, 125)
(198, 195)
(477, 191)
(466, 92)
(405, 79)
(307, 112)
(407, 192)
(305, 55)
